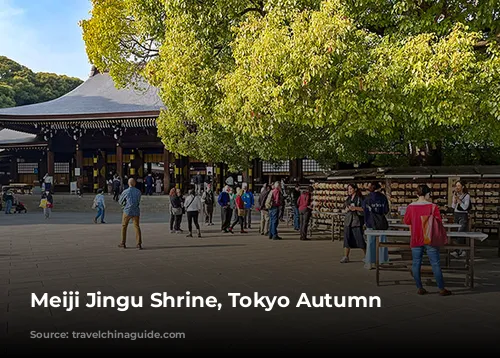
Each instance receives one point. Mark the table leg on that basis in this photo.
(377, 259)
(471, 262)
(333, 231)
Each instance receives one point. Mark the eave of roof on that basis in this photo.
(96, 98)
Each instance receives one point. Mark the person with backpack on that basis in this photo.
(224, 201)
(8, 198)
(461, 205)
(208, 200)
(376, 207)
(264, 212)
(273, 203)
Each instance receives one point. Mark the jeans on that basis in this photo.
(178, 221)
(304, 216)
(192, 216)
(8, 206)
(46, 212)
(135, 219)
(100, 214)
(240, 220)
(433, 253)
(371, 249)
(296, 218)
(273, 222)
(463, 220)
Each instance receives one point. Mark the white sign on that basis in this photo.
(77, 172)
(240, 178)
(72, 187)
(210, 169)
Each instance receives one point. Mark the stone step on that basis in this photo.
(73, 203)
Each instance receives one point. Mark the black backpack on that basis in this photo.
(209, 198)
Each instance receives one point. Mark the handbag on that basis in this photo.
(43, 203)
(433, 230)
(241, 212)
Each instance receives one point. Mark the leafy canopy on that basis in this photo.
(330, 80)
(20, 86)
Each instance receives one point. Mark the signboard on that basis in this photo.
(35, 170)
(77, 172)
(240, 178)
(72, 187)
(210, 169)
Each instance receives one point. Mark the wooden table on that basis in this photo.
(496, 222)
(404, 226)
(406, 234)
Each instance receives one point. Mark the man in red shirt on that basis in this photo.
(273, 203)
(304, 205)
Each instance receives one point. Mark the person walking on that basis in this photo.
(376, 207)
(47, 203)
(198, 183)
(264, 212)
(8, 198)
(353, 222)
(100, 205)
(273, 204)
(172, 194)
(117, 184)
(224, 201)
(240, 212)
(193, 209)
(249, 201)
(294, 198)
(130, 200)
(461, 204)
(149, 184)
(304, 208)
(158, 185)
(208, 200)
(426, 237)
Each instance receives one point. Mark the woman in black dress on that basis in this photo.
(353, 222)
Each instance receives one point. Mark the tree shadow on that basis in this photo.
(190, 246)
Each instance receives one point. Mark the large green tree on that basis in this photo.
(20, 86)
(331, 80)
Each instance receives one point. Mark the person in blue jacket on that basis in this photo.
(376, 207)
(249, 201)
(225, 203)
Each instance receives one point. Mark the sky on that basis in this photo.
(44, 35)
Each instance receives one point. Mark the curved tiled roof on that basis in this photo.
(97, 95)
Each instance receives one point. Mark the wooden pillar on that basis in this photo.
(178, 171)
(79, 164)
(50, 162)
(166, 171)
(119, 160)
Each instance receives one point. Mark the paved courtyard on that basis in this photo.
(68, 252)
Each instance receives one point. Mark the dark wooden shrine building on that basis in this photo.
(87, 135)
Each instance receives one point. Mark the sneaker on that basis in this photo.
(172, 231)
(178, 232)
(189, 235)
(139, 247)
(199, 234)
(123, 246)
(344, 260)
(444, 292)
(243, 232)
